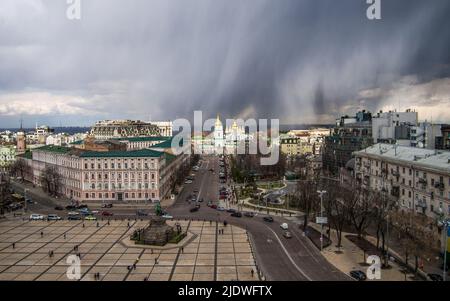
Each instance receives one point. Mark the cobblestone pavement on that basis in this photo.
(210, 256)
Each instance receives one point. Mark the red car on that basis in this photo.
(214, 206)
(107, 213)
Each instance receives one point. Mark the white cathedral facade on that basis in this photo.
(228, 140)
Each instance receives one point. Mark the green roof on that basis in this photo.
(77, 142)
(54, 148)
(148, 138)
(129, 154)
(167, 144)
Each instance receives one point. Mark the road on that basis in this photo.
(277, 257)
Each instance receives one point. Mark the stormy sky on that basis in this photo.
(302, 61)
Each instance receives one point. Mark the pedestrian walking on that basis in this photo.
(128, 224)
(14, 245)
(83, 225)
(42, 234)
(253, 272)
(98, 225)
(156, 260)
(182, 249)
(134, 266)
(64, 235)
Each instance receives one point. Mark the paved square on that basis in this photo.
(42, 249)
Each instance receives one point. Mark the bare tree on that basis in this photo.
(360, 209)
(308, 200)
(19, 168)
(338, 205)
(51, 180)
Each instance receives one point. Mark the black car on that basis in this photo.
(249, 214)
(231, 210)
(74, 217)
(194, 209)
(81, 206)
(236, 214)
(358, 275)
(59, 208)
(71, 207)
(141, 213)
(435, 277)
(268, 219)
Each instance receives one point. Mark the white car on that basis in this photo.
(188, 182)
(36, 217)
(284, 226)
(167, 216)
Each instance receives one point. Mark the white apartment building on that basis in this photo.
(391, 127)
(419, 179)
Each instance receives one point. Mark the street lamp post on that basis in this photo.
(25, 207)
(321, 193)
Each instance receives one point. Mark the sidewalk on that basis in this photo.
(352, 258)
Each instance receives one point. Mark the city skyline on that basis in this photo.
(308, 62)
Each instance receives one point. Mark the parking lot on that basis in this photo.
(209, 256)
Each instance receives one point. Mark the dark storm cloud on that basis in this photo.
(298, 60)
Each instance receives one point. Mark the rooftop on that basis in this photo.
(94, 154)
(435, 159)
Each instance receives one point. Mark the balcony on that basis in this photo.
(421, 204)
(423, 181)
(395, 173)
(439, 185)
(395, 191)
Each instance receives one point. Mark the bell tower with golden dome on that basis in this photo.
(218, 134)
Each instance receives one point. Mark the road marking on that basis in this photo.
(289, 256)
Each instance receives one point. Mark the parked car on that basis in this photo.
(53, 217)
(194, 209)
(107, 205)
(167, 216)
(231, 210)
(195, 190)
(287, 234)
(81, 206)
(358, 275)
(284, 226)
(36, 217)
(29, 201)
(236, 214)
(71, 207)
(107, 213)
(85, 211)
(59, 208)
(435, 277)
(214, 206)
(188, 182)
(90, 218)
(74, 217)
(249, 214)
(220, 208)
(141, 213)
(268, 219)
